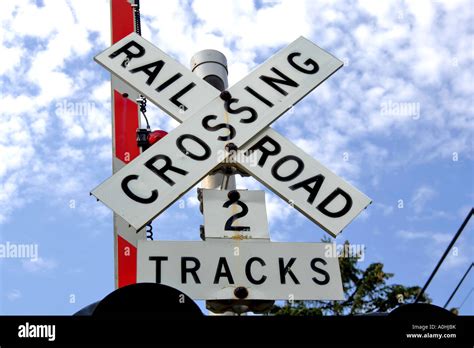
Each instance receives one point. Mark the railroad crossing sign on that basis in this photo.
(215, 125)
(229, 269)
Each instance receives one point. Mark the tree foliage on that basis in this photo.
(366, 291)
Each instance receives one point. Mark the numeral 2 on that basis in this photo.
(234, 199)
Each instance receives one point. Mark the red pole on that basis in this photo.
(125, 121)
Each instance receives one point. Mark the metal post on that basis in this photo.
(211, 66)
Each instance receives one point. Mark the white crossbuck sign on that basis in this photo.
(215, 124)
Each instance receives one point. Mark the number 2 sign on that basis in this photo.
(237, 214)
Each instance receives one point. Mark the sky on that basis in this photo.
(396, 121)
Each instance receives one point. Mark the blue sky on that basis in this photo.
(396, 121)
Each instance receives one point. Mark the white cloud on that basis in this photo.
(13, 157)
(421, 197)
(460, 258)
(8, 189)
(435, 237)
(277, 209)
(192, 201)
(386, 209)
(434, 244)
(35, 50)
(39, 265)
(11, 57)
(14, 295)
(278, 235)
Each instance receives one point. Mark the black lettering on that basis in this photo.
(168, 166)
(203, 157)
(322, 206)
(259, 96)
(126, 49)
(278, 164)
(205, 124)
(313, 190)
(260, 145)
(152, 74)
(253, 113)
(284, 270)
(274, 82)
(168, 82)
(130, 194)
(315, 268)
(248, 270)
(228, 224)
(175, 99)
(309, 62)
(193, 269)
(158, 260)
(223, 273)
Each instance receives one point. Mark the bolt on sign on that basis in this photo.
(248, 269)
(213, 122)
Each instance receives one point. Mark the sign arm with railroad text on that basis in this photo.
(167, 83)
(251, 105)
